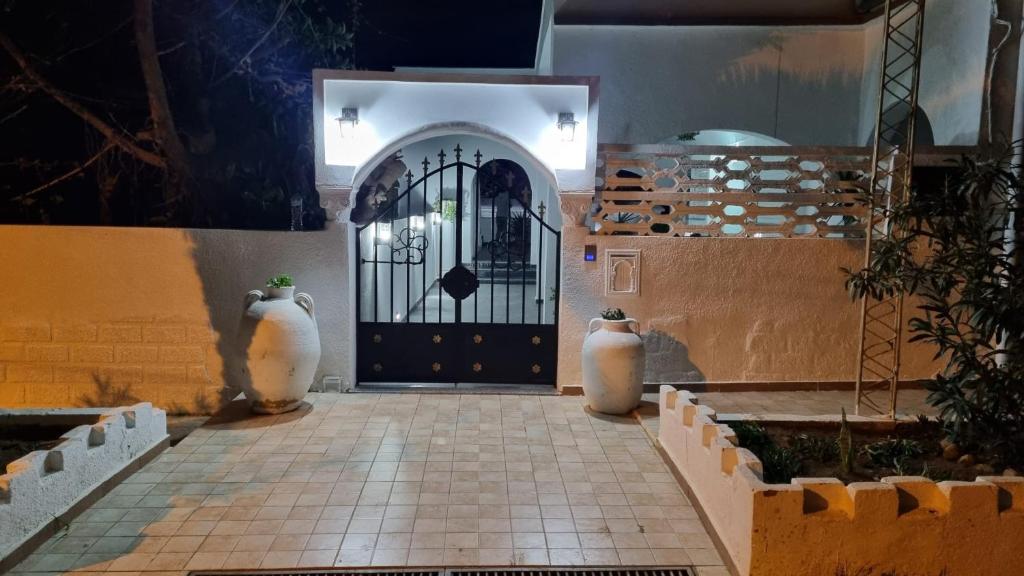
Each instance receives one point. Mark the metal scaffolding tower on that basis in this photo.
(893, 152)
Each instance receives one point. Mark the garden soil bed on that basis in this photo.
(17, 441)
(811, 450)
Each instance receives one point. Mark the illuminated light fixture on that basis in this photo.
(416, 222)
(347, 121)
(567, 126)
(382, 230)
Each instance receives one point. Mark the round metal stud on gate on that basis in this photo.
(436, 366)
(477, 338)
(535, 340)
(477, 367)
(377, 367)
(377, 338)
(536, 368)
(437, 338)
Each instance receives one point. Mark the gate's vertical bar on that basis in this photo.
(494, 201)
(391, 260)
(376, 278)
(540, 267)
(408, 250)
(524, 236)
(458, 222)
(508, 257)
(423, 295)
(440, 239)
(476, 236)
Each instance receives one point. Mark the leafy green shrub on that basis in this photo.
(949, 251)
(613, 314)
(752, 436)
(893, 453)
(818, 448)
(780, 464)
(280, 281)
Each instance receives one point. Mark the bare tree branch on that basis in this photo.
(82, 112)
(159, 108)
(281, 10)
(80, 168)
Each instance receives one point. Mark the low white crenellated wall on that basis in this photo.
(45, 484)
(815, 526)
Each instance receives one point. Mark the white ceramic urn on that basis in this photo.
(282, 349)
(613, 365)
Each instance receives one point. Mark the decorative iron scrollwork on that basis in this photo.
(477, 338)
(437, 339)
(436, 366)
(477, 367)
(535, 340)
(407, 247)
(377, 338)
(535, 369)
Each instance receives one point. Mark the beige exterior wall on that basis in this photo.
(108, 316)
(727, 310)
(102, 316)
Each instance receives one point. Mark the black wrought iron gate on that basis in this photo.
(458, 277)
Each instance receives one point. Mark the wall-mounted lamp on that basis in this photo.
(347, 121)
(567, 126)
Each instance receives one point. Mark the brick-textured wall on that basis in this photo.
(111, 364)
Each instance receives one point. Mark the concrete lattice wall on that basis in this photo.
(815, 526)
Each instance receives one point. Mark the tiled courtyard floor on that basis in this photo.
(394, 480)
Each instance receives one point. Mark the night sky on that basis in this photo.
(448, 33)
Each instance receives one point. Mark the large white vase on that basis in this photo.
(282, 349)
(613, 365)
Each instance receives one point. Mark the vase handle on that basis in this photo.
(306, 302)
(252, 297)
(635, 324)
(590, 328)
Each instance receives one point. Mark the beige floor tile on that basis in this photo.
(395, 480)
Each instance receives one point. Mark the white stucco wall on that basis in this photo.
(952, 70)
(799, 84)
(398, 109)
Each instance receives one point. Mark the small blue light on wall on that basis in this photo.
(590, 253)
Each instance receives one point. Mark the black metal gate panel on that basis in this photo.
(457, 278)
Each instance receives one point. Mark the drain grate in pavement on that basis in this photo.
(552, 571)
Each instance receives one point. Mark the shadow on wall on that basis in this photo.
(668, 360)
(226, 320)
(108, 394)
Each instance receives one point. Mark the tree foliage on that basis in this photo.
(955, 251)
(181, 112)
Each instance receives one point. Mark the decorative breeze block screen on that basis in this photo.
(754, 192)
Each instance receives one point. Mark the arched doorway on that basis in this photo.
(456, 269)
